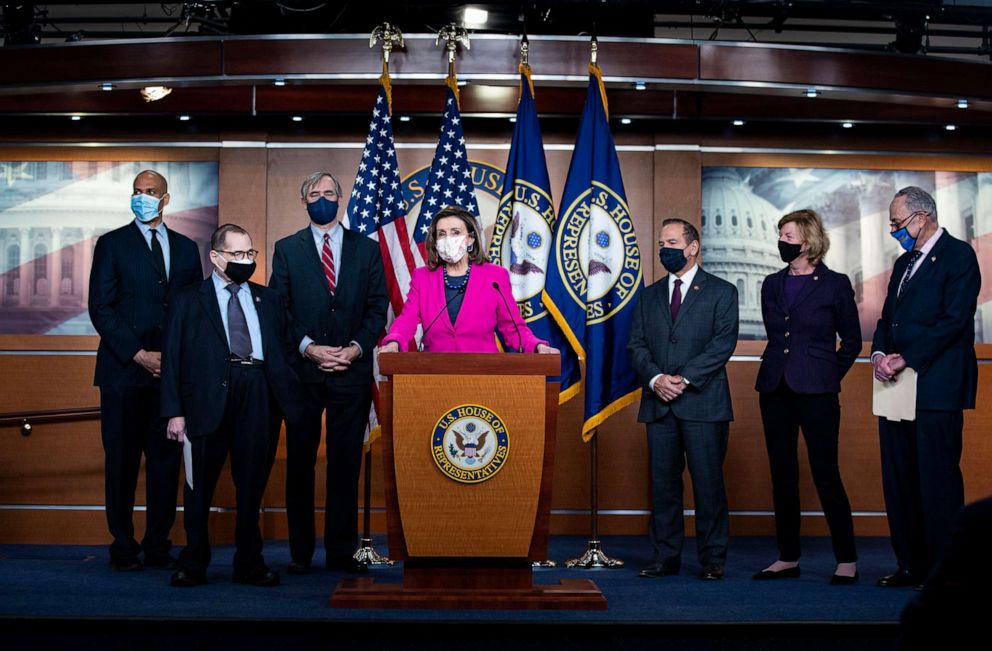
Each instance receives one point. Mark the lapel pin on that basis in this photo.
(695, 288)
(816, 277)
(258, 300)
(933, 258)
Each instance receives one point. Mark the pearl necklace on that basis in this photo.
(447, 280)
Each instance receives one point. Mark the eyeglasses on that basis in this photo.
(897, 225)
(251, 254)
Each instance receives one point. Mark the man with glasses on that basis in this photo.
(333, 283)
(928, 325)
(225, 357)
(137, 269)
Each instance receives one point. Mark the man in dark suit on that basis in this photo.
(928, 325)
(137, 269)
(683, 333)
(225, 358)
(333, 283)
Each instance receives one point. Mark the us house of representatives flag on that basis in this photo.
(595, 275)
(525, 220)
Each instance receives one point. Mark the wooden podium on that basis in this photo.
(468, 445)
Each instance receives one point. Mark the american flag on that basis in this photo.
(377, 209)
(450, 180)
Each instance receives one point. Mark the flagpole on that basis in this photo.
(366, 553)
(594, 555)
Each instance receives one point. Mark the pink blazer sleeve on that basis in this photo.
(506, 320)
(405, 325)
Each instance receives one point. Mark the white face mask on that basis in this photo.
(452, 248)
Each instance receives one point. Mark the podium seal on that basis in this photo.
(470, 444)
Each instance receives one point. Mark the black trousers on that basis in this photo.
(245, 434)
(130, 427)
(921, 479)
(783, 413)
(673, 442)
(347, 412)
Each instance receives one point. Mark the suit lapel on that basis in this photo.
(927, 264)
(208, 300)
(309, 252)
(815, 283)
(690, 294)
(262, 309)
(778, 289)
(145, 249)
(665, 300)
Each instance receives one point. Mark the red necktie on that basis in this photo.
(676, 299)
(328, 259)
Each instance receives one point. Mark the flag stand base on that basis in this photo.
(367, 555)
(594, 557)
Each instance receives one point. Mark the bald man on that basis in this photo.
(136, 271)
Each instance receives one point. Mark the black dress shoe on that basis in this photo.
(295, 567)
(898, 579)
(769, 575)
(162, 562)
(261, 576)
(839, 579)
(660, 568)
(125, 565)
(712, 573)
(187, 579)
(348, 564)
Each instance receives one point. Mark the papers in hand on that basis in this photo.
(188, 461)
(895, 400)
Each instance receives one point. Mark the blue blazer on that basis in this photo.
(932, 325)
(129, 298)
(355, 312)
(195, 366)
(697, 345)
(802, 339)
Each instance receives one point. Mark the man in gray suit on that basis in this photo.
(683, 332)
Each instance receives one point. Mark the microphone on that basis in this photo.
(520, 339)
(420, 346)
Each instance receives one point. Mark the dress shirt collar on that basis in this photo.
(929, 244)
(146, 229)
(220, 285)
(335, 233)
(686, 278)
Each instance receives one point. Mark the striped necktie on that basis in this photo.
(327, 258)
(913, 257)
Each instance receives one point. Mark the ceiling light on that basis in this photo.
(184, 118)
(951, 127)
(625, 120)
(513, 118)
(106, 86)
(812, 92)
(475, 17)
(279, 81)
(462, 83)
(297, 118)
(738, 123)
(640, 85)
(405, 118)
(75, 118)
(962, 103)
(154, 93)
(847, 124)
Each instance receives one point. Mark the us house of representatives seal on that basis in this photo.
(470, 444)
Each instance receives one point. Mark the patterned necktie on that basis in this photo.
(676, 299)
(328, 259)
(158, 258)
(913, 257)
(237, 325)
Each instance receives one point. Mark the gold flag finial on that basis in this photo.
(391, 37)
(524, 51)
(593, 50)
(452, 34)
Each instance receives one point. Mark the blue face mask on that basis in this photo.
(145, 207)
(906, 241)
(673, 260)
(322, 211)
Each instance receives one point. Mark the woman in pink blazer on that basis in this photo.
(459, 298)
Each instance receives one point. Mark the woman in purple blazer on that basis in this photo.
(805, 307)
(459, 298)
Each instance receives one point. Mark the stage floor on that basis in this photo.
(75, 582)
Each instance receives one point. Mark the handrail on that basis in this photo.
(25, 418)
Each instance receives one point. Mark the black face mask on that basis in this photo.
(673, 260)
(789, 251)
(239, 272)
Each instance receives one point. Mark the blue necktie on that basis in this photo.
(237, 325)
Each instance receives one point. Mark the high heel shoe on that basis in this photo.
(768, 575)
(838, 579)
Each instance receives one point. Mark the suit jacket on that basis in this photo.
(355, 312)
(482, 314)
(128, 300)
(195, 358)
(802, 339)
(932, 325)
(697, 346)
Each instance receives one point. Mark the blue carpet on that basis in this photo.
(62, 581)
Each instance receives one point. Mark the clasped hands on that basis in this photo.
(394, 347)
(887, 367)
(668, 387)
(330, 359)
